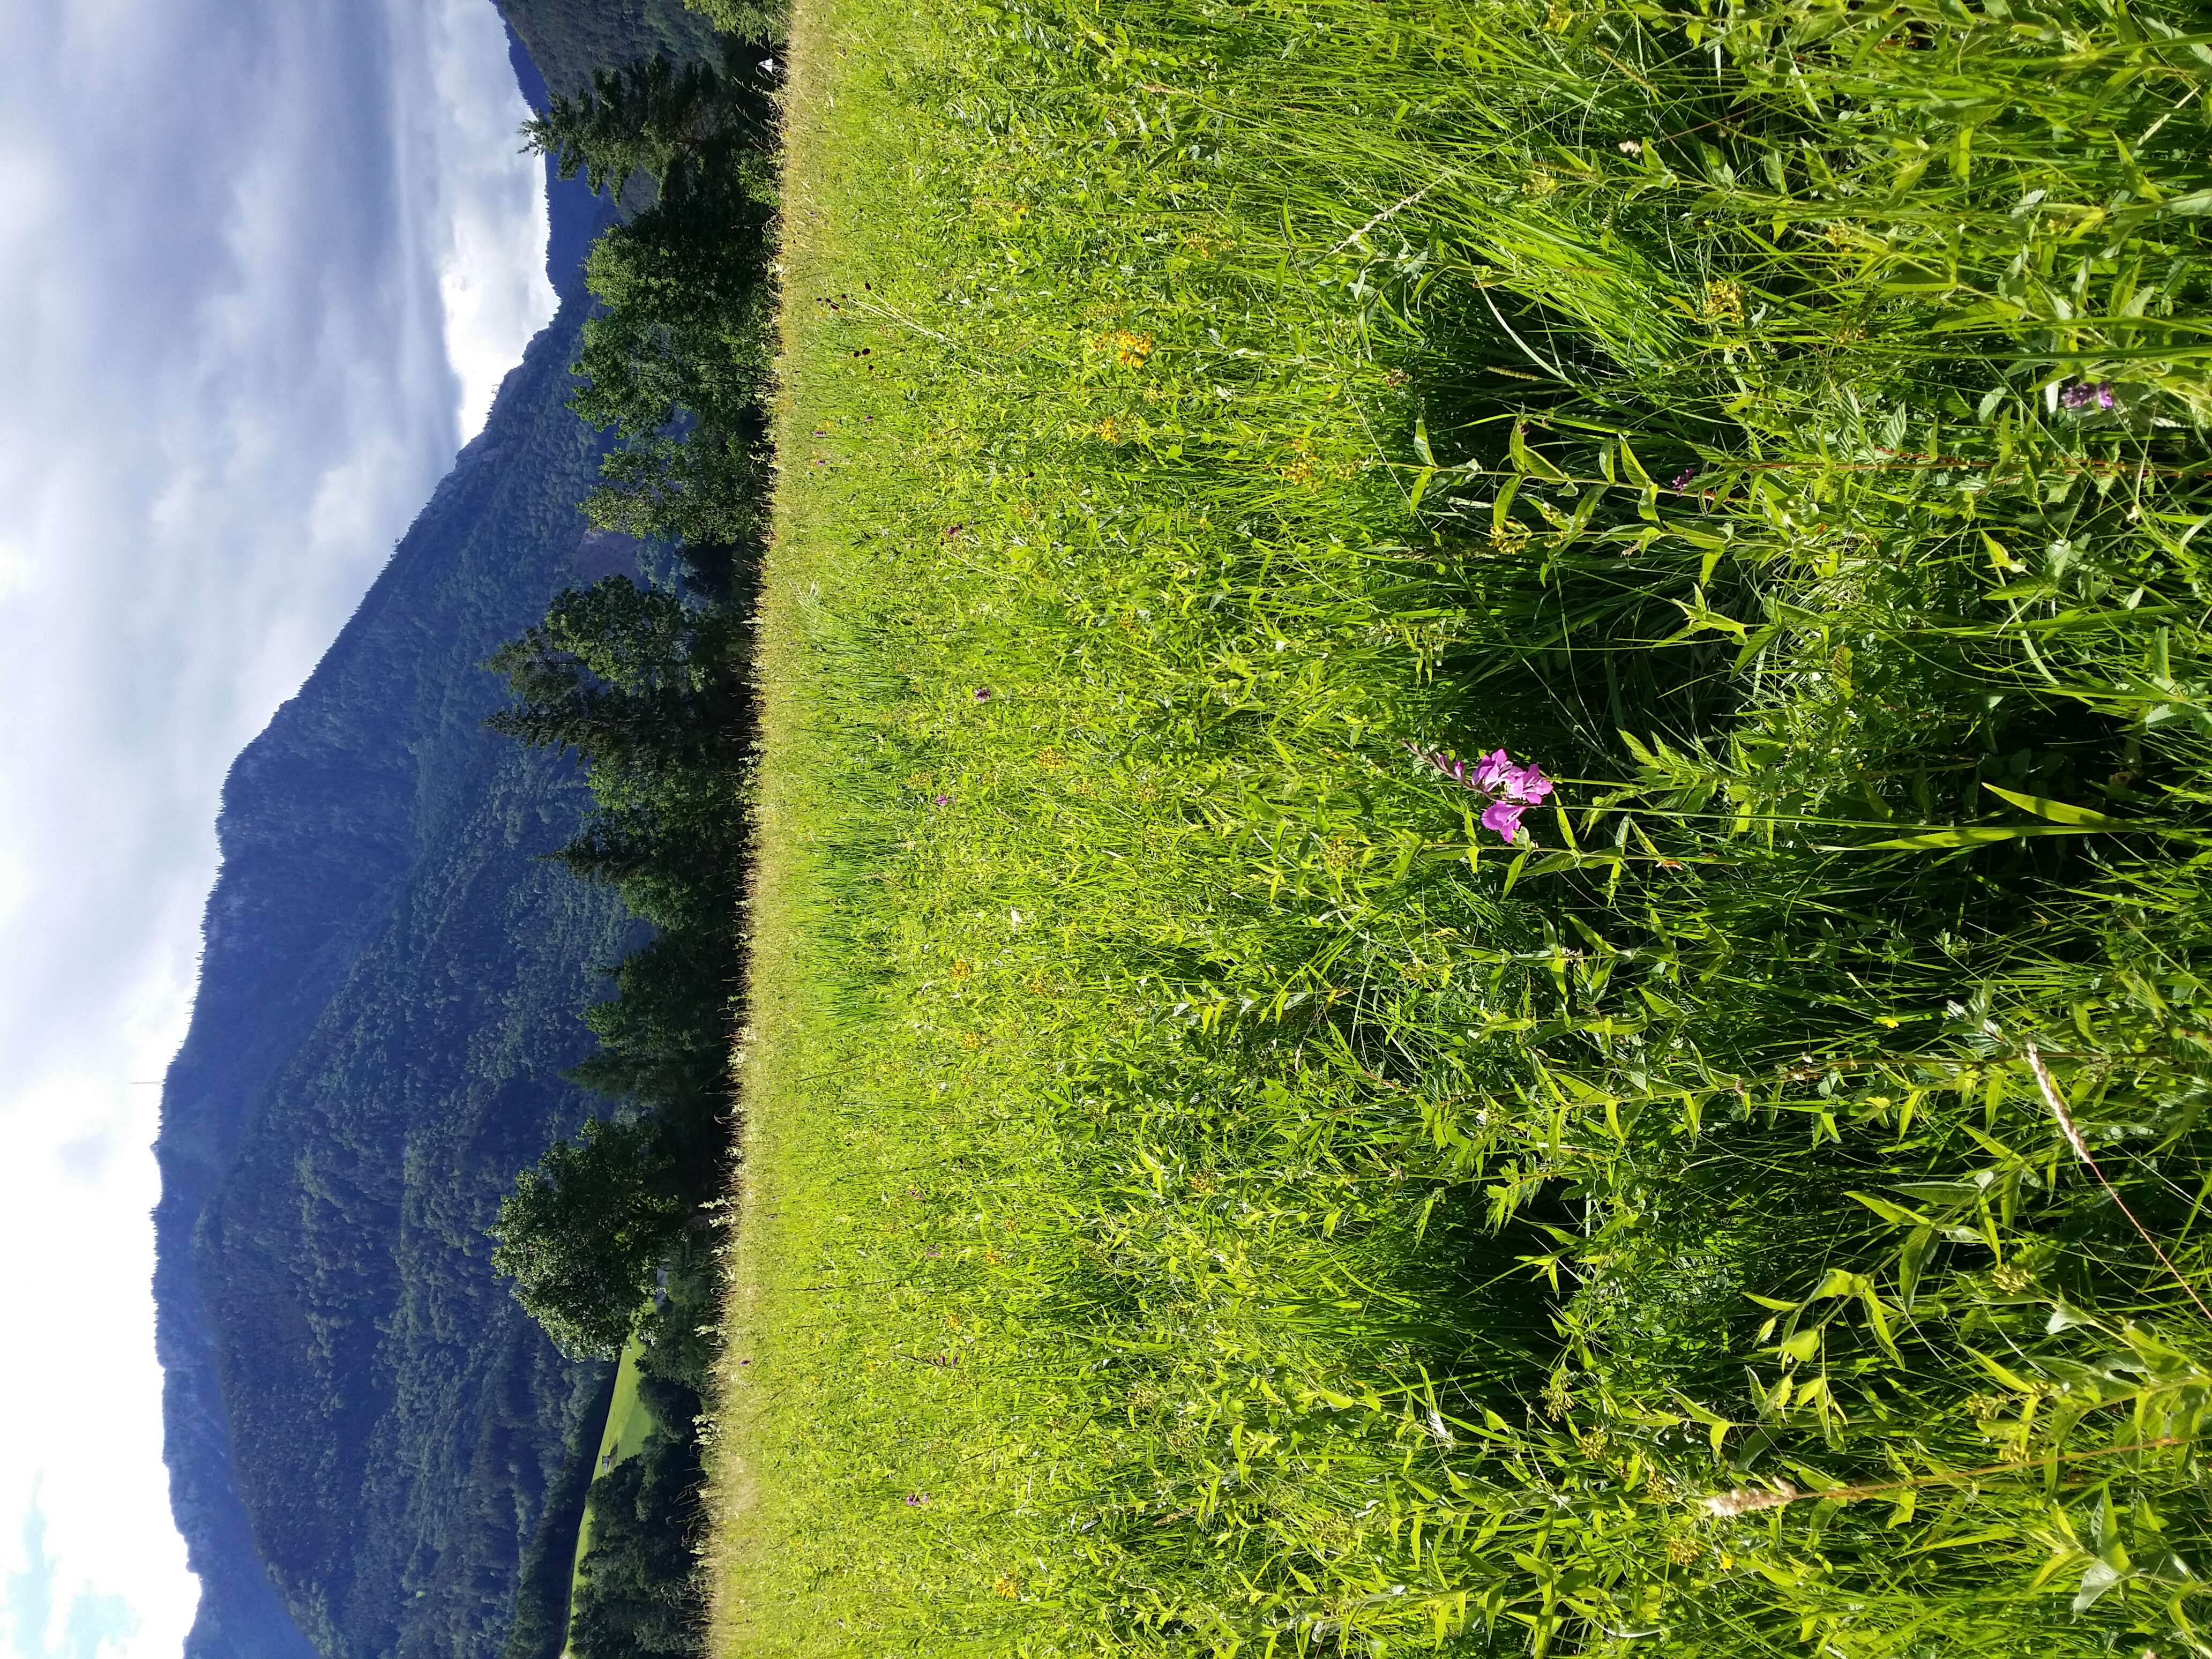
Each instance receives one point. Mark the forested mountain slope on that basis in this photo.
(567, 40)
(389, 991)
(362, 1427)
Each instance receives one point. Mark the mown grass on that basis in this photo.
(1202, 1193)
(628, 1426)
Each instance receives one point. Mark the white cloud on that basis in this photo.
(265, 264)
(90, 1620)
(491, 276)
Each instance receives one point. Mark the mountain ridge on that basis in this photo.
(361, 1429)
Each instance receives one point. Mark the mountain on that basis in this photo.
(364, 1433)
(567, 39)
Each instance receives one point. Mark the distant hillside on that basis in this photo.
(569, 39)
(389, 988)
(364, 1432)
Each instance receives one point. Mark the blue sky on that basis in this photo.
(263, 263)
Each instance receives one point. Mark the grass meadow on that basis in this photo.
(1205, 1191)
(628, 1426)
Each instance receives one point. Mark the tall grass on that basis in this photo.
(1205, 1193)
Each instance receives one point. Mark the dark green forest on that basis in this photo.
(647, 688)
(570, 40)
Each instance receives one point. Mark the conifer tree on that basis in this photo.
(627, 678)
(674, 123)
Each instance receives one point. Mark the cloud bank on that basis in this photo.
(264, 264)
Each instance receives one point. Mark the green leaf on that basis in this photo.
(1878, 1316)
(1910, 1262)
(2008, 1379)
(1754, 642)
(2096, 1579)
(1513, 872)
(1502, 508)
(1528, 460)
(1896, 1214)
(1959, 1541)
(1964, 834)
(2057, 810)
(1716, 1426)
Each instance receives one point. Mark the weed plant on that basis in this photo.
(1205, 1191)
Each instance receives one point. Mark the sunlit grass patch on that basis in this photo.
(1208, 1188)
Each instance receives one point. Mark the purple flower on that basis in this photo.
(1514, 787)
(2086, 394)
(945, 800)
(1528, 784)
(1501, 775)
(1682, 479)
(1503, 818)
(982, 694)
(915, 1500)
(1496, 768)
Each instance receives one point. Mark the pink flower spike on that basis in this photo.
(1532, 785)
(1503, 818)
(1497, 767)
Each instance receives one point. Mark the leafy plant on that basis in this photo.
(1226, 1198)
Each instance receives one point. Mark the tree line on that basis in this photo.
(606, 1237)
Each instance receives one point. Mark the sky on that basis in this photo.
(263, 263)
